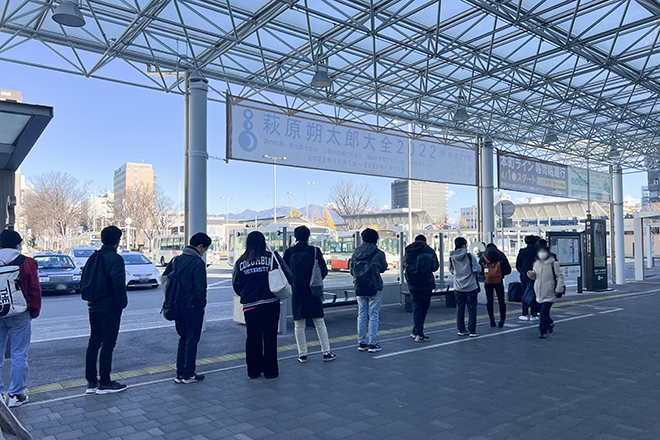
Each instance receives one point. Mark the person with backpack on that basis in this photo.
(103, 286)
(496, 266)
(18, 308)
(524, 263)
(549, 285)
(366, 265)
(187, 289)
(465, 268)
(261, 307)
(303, 259)
(419, 263)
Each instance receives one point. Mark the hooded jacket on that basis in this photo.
(464, 266)
(192, 271)
(28, 277)
(494, 255)
(109, 278)
(545, 285)
(416, 251)
(378, 260)
(304, 305)
(525, 261)
(250, 281)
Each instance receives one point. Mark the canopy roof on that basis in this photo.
(588, 69)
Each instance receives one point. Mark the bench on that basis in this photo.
(335, 301)
(450, 298)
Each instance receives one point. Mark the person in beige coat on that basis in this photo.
(548, 282)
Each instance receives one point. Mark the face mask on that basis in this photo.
(543, 255)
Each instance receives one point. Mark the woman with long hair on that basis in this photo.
(260, 307)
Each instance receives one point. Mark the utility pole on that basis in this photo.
(274, 159)
(226, 199)
(290, 203)
(307, 199)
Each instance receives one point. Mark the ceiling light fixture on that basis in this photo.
(68, 14)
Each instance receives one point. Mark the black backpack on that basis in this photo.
(418, 270)
(364, 276)
(89, 285)
(175, 301)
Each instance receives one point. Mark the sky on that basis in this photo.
(99, 125)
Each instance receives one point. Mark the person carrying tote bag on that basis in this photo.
(308, 270)
(251, 281)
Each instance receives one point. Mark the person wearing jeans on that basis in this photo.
(465, 267)
(548, 282)
(496, 266)
(18, 327)
(303, 259)
(368, 316)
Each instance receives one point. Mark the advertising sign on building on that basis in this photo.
(314, 141)
(526, 174)
(599, 184)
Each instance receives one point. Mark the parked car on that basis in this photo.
(57, 273)
(81, 254)
(140, 271)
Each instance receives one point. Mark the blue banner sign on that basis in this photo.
(314, 141)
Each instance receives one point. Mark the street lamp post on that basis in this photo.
(290, 203)
(307, 199)
(274, 159)
(226, 199)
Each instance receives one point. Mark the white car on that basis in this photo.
(140, 271)
(81, 254)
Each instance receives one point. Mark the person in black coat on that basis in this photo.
(301, 258)
(524, 263)
(419, 264)
(495, 283)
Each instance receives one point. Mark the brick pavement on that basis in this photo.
(595, 377)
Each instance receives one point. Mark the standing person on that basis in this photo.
(548, 282)
(17, 326)
(419, 264)
(191, 270)
(366, 265)
(260, 306)
(301, 259)
(465, 268)
(496, 266)
(103, 286)
(525, 263)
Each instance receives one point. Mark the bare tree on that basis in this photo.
(162, 214)
(347, 197)
(54, 206)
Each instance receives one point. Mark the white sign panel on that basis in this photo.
(313, 141)
(600, 185)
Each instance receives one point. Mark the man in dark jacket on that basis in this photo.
(524, 263)
(103, 286)
(301, 258)
(192, 272)
(18, 326)
(419, 264)
(368, 256)
(496, 266)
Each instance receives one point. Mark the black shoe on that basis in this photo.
(178, 380)
(302, 359)
(363, 347)
(422, 338)
(91, 387)
(543, 335)
(111, 387)
(552, 328)
(271, 376)
(474, 334)
(194, 378)
(255, 376)
(500, 324)
(374, 348)
(492, 323)
(329, 357)
(15, 400)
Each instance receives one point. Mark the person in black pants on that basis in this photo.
(465, 267)
(419, 264)
(191, 271)
(261, 307)
(103, 286)
(524, 263)
(496, 267)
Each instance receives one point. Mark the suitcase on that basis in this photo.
(515, 293)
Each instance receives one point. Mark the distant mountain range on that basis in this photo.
(315, 211)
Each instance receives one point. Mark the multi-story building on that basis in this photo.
(97, 210)
(470, 217)
(132, 177)
(426, 196)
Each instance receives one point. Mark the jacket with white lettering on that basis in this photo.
(250, 281)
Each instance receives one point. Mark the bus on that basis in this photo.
(215, 250)
(87, 239)
(342, 246)
(166, 247)
(319, 237)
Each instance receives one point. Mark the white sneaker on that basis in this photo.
(524, 318)
(17, 400)
(533, 318)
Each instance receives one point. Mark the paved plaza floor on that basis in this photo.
(596, 377)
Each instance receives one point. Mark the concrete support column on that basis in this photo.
(638, 231)
(619, 238)
(197, 154)
(649, 247)
(487, 196)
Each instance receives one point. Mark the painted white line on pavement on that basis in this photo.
(610, 311)
(217, 283)
(467, 338)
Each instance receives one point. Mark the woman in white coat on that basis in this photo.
(548, 282)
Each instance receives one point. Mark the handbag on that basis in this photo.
(529, 297)
(316, 281)
(476, 275)
(554, 275)
(277, 280)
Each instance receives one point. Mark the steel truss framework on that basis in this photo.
(585, 68)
